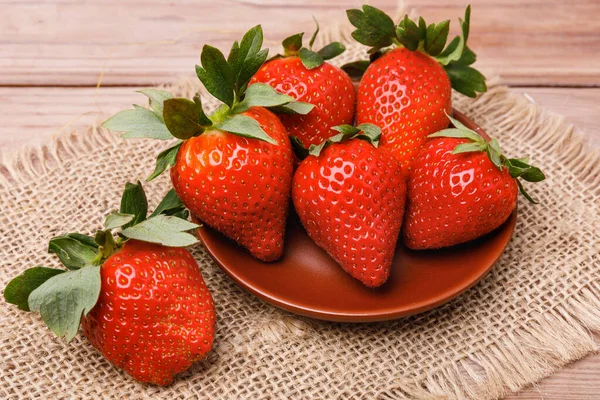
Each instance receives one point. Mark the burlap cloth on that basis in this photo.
(531, 315)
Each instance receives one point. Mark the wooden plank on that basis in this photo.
(578, 381)
(532, 42)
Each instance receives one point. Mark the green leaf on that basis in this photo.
(133, 201)
(183, 118)
(106, 242)
(409, 34)
(495, 153)
(346, 130)
(138, 123)
(495, 146)
(157, 98)
(314, 35)
(466, 80)
(251, 67)
(494, 157)
(375, 28)
(356, 69)
(166, 159)
(246, 60)
(216, 75)
(436, 37)
(292, 44)
(533, 174)
(63, 298)
(369, 132)
(469, 147)
(116, 220)
(521, 168)
(19, 288)
(456, 47)
(467, 57)
(524, 193)
(163, 229)
(169, 205)
(245, 126)
(261, 94)
(298, 148)
(458, 124)
(85, 239)
(294, 107)
(202, 118)
(73, 253)
(458, 133)
(310, 59)
(331, 50)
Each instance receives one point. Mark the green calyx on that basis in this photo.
(63, 296)
(368, 132)
(225, 79)
(517, 167)
(292, 47)
(377, 30)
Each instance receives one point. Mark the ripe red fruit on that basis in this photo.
(407, 90)
(327, 87)
(141, 298)
(461, 187)
(233, 168)
(305, 76)
(154, 317)
(406, 93)
(239, 186)
(350, 199)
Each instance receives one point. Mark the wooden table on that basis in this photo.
(65, 63)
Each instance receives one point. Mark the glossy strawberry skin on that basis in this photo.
(405, 93)
(350, 200)
(155, 316)
(454, 198)
(239, 186)
(327, 87)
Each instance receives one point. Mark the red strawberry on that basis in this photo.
(407, 90)
(407, 104)
(238, 185)
(305, 76)
(234, 168)
(141, 299)
(154, 316)
(350, 198)
(461, 187)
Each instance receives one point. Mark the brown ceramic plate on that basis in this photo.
(308, 282)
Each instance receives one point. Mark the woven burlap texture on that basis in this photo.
(531, 315)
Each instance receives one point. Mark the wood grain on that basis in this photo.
(54, 52)
(531, 42)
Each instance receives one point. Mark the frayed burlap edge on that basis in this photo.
(534, 350)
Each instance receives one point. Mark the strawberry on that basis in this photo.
(141, 299)
(154, 316)
(406, 90)
(232, 169)
(304, 75)
(350, 198)
(241, 186)
(461, 187)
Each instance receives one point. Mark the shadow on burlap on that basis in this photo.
(530, 316)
